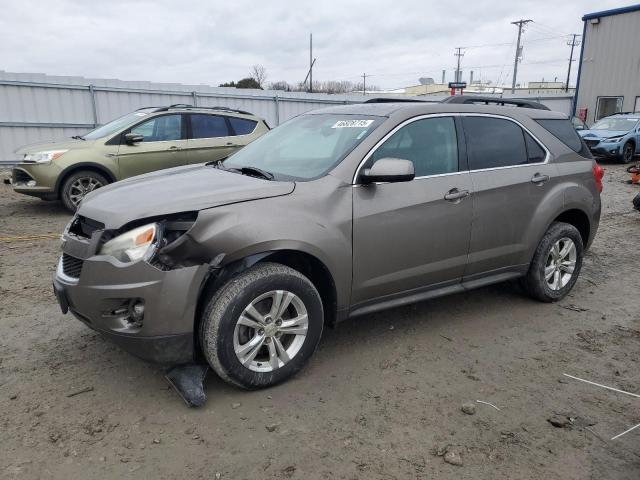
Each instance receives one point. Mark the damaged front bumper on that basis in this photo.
(147, 311)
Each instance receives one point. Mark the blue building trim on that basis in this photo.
(614, 11)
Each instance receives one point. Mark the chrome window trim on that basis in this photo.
(457, 114)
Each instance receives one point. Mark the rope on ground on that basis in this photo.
(23, 238)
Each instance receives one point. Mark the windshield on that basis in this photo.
(114, 125)
(305, 147)
(621, 124)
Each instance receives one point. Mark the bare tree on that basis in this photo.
(259, 74)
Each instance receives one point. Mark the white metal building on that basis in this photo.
(609, 68)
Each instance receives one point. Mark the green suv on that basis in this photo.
(143, 141)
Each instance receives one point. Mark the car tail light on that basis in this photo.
(598, 173)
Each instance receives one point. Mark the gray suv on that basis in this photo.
(338, 213)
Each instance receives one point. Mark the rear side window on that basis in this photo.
(564, 131)
(208, 126)
(242, 126)
(494, 142)
(431, 144)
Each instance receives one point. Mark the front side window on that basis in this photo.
(160, 129)
(494, 142)
(307, 146)
(208, 126)
(431, 144)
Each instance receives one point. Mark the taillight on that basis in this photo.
(598, 173)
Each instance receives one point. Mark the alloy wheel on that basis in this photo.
(81, 187)
(560, 264)
(270, 331)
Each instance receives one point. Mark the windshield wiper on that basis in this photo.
(254, 172)
(78, 137)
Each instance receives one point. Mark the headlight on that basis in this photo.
(133, 245)
(43, 157)
(612, 140)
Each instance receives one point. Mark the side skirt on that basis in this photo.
(427, 293)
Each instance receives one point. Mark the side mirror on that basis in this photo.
(389, 170)
(131, 138)
(579, 127)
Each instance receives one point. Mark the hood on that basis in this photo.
(182, 189)
(68, 144)
(602, 133)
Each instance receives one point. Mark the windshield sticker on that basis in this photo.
(352, 124)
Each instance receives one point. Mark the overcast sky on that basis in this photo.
(209, 42)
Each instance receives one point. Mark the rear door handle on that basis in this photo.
(539, 179)
(454, 195)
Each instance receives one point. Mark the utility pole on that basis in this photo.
(364, 83)
(311, 63)
(520, 24)
(459, 53)
(574, 43)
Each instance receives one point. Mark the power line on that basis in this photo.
(520, 23)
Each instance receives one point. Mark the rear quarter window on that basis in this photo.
(564, 131)
(242, 126)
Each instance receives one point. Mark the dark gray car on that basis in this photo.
(338, 213)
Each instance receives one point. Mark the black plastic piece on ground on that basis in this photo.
(188, 381)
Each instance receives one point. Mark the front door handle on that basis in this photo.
(455, 195)
(539, 179)
(174, 148)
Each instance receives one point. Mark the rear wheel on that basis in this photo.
(556, 263)
(627, 152)
(78, 185)
(262, 326)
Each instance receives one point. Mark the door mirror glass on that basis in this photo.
(389, 170)
(132, 138)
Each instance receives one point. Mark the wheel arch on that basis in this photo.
(76, 167)
(579, 219)
(309, 265)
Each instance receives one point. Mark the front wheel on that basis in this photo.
(262, 326)
(556, 263)
(79, 184)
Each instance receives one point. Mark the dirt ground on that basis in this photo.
(381, 398)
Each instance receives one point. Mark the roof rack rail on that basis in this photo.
(472, 100)
(393, 100)
(189, 106)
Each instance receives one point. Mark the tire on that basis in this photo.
(628, 152)
(70, 193)
(221, 334)
(537, 284)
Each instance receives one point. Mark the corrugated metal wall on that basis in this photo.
(37, 108)
(610, 62)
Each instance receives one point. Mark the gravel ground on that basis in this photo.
(381, 398)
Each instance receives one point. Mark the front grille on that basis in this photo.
(592, 143)
(71, 266)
